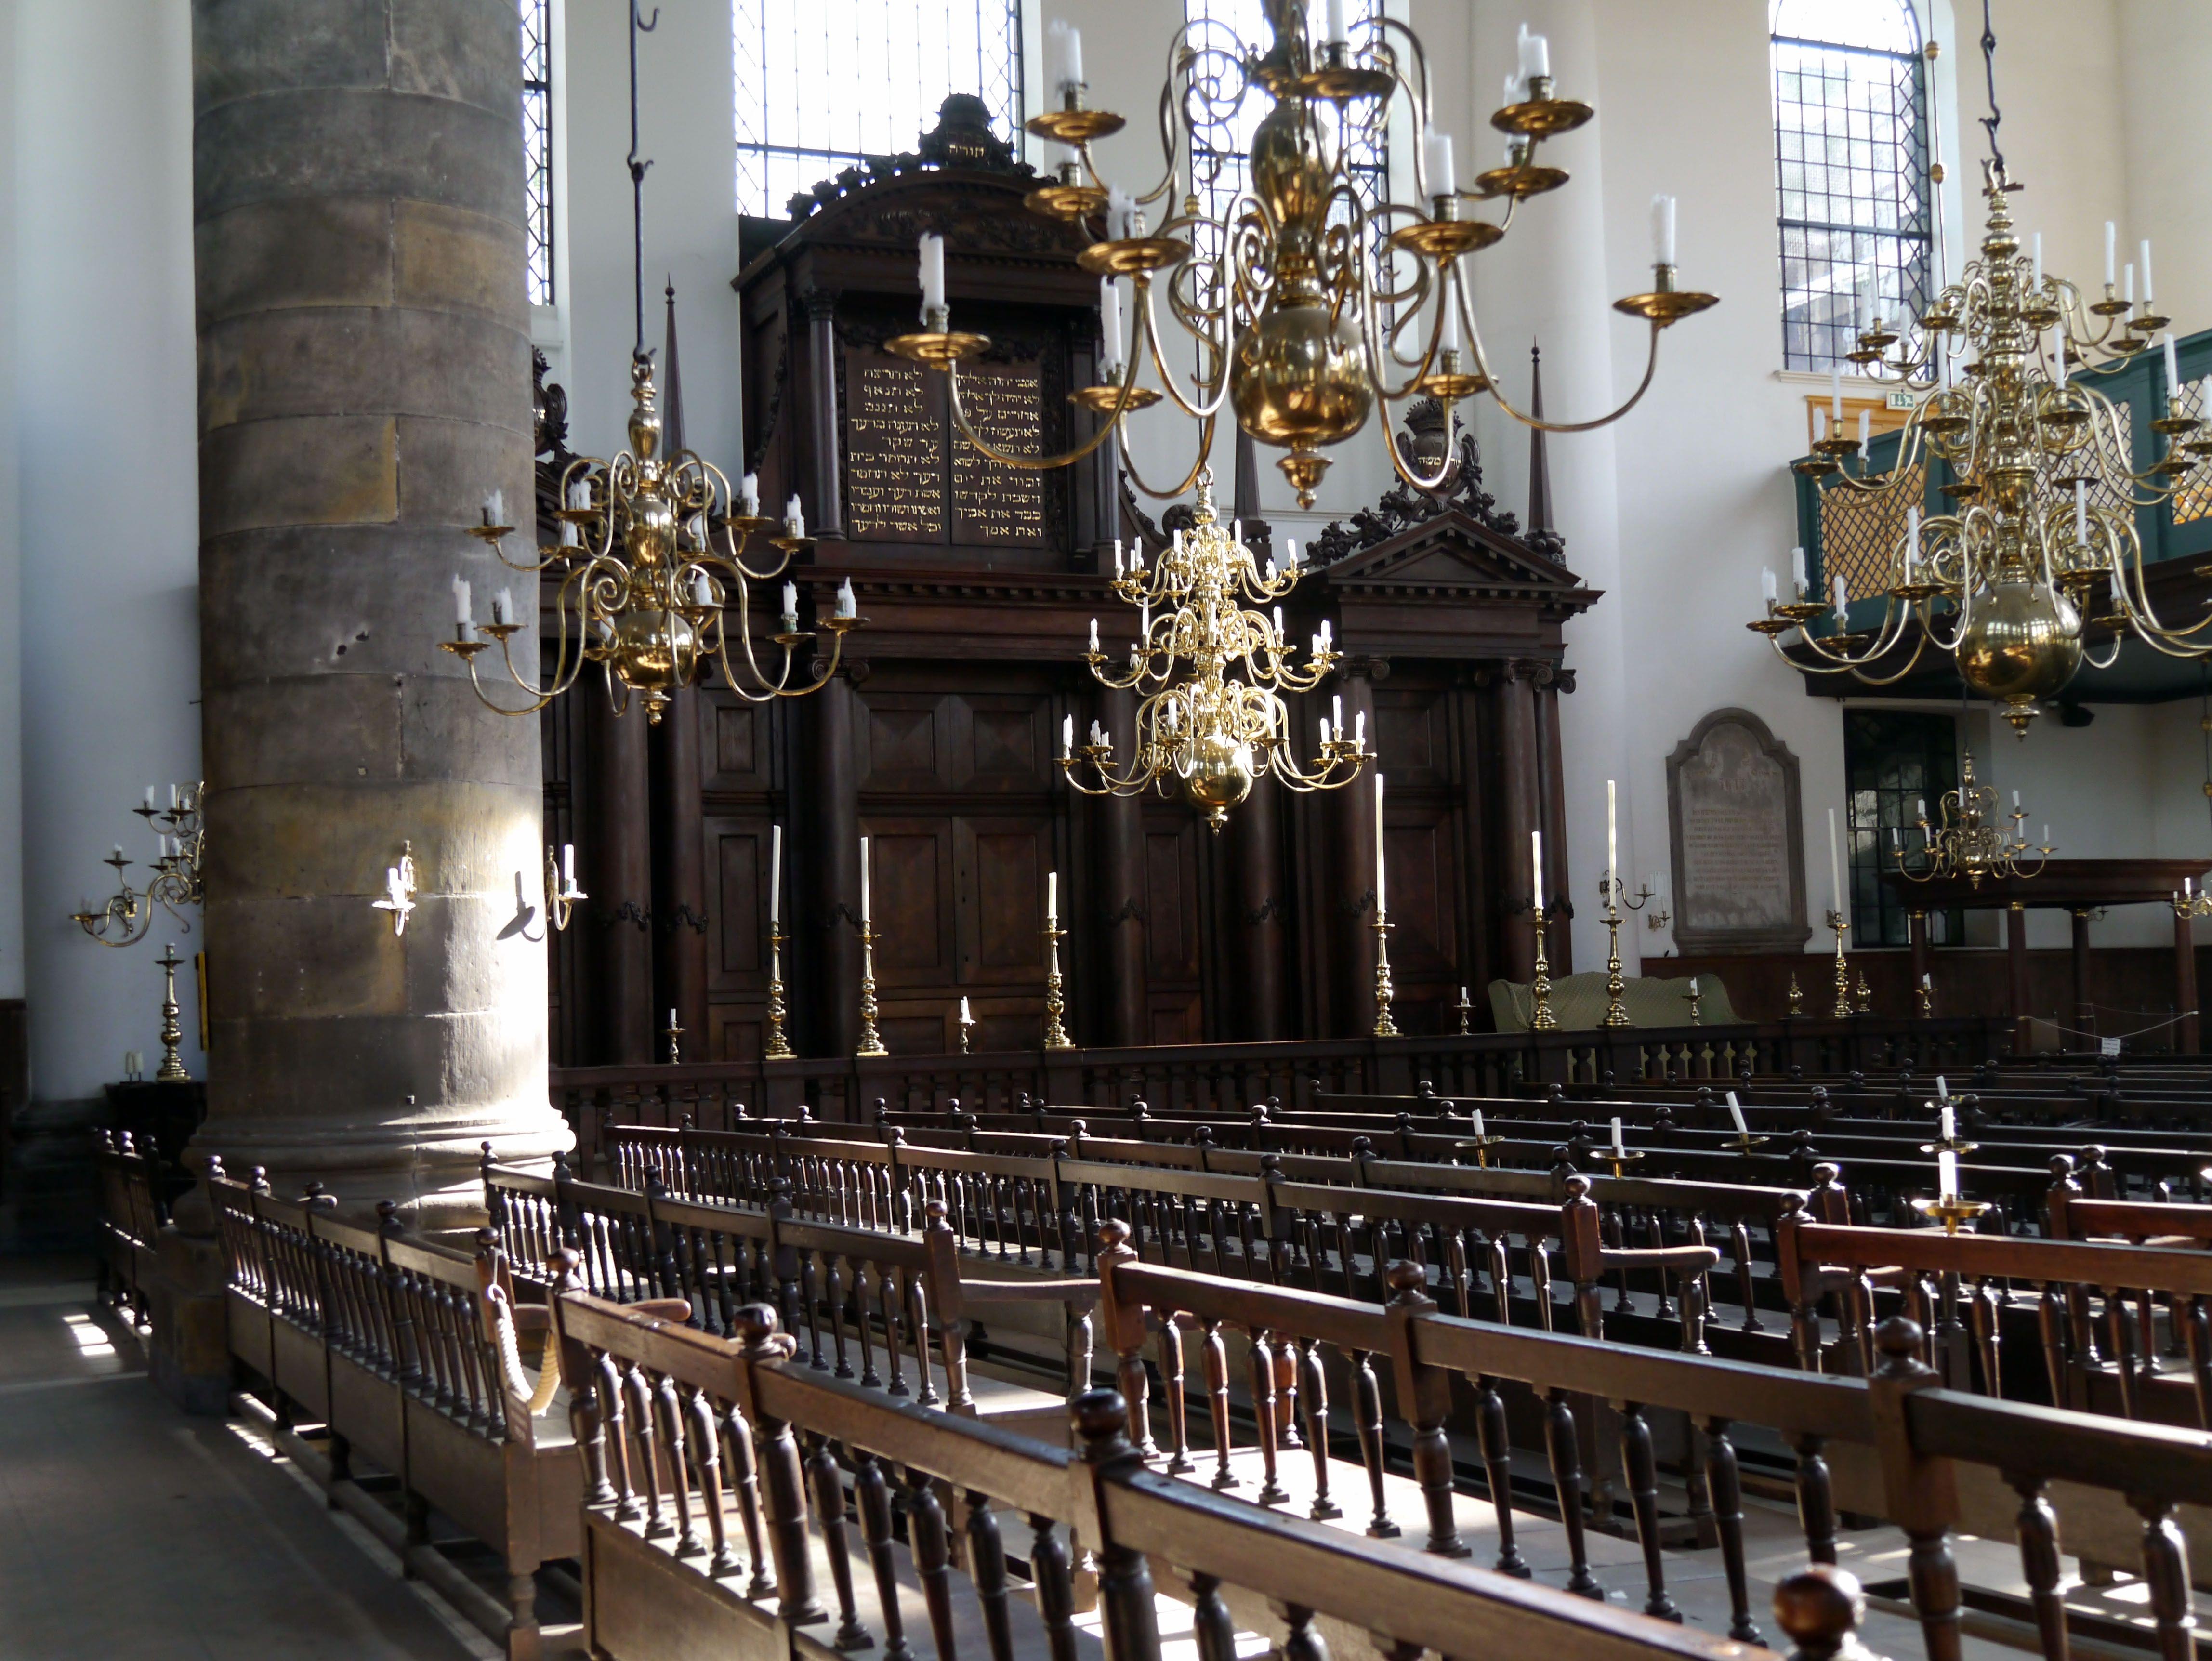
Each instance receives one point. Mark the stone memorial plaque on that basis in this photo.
(894, 451)
(993, 504)
(1738, 843)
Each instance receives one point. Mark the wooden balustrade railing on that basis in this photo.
(1228, 1079)
(1894, 1446)
(726, 1477)
(131, 1214)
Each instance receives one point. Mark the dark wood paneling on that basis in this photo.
(735, 754)
(1001, 883)
(738, 926)
(912, 901)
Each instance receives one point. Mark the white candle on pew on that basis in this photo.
(1478, 1124)
(1618, 1146)
(1947, 1174)
(1736, 1113)
(1950, 1124)
(1942, 1090)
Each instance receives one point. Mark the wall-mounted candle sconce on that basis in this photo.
(399, 889)
(561, 891)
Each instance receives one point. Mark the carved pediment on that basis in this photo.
(1454, 554)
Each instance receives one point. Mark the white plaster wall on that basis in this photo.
(11, 545)
(105, 439)
(2165, 51)
(686, 128)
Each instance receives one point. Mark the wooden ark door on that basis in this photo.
(1425, 850)
(1175, 910)
(961, 801)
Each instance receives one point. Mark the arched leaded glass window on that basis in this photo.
(538, 147)
(1851, 147)
(822, 84)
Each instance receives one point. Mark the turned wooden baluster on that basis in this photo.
(2121, 1330)
(657, 1525)
(671, 1417)
(1727, 1490)
(1816, 1502)
(1567, 1485)
(1425, 1398)
(1215, 1360)
(1501, 1280)
(1055, 1590)
(1747, 1286)
(932, 1546)
(987, 1567)
(745, 1485)
(872, 1494)
(2166, 1570)
(1497, 1470)
(1367, 1420)
(706, 1451)
(2051, 1328)
(2038, 1528)
(1211, 1625)
(1126, 1601)
(1172, 1384)
(1263, 1375)
(1314, 1397)
(1931, 1571)
(829, 1517)
(2196, 1335)
(1643, 1475)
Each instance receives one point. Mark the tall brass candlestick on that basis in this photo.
(1055, 1035)
(1843, 1009)
(1384, 1027)
(1541, 1020)
(872, 1041)
(779, 1046)
(1616, 1013)
(171, 1067)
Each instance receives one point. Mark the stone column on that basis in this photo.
(364, 362)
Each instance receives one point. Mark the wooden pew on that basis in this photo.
(130, 1216)
(719, 1471)
(1894, 1446)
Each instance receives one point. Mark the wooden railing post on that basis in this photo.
(944, 1276)
(1124, 1320)
(1921, 1493)
(1125, 1578)
(1425, 1398)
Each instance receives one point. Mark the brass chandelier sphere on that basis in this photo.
(2021, 644)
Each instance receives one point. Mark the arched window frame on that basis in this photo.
(1853, 196)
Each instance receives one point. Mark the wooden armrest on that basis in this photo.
(1082, 1294)
(1834, 1277)
(1677, 1260)
(665, 1309)
(532, 1318)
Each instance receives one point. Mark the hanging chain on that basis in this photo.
(637, 26)
(1990, 69)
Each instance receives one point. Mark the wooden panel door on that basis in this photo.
(1174, 1004)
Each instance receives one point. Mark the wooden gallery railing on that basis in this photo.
(675, 1424)
(1894, 1446)
(1231, 1078)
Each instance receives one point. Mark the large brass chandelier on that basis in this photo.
(1971, 841)
(1208, 734)
(2043, 532)
(1303, 303)
(653, 581)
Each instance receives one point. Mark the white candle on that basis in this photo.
(2111, 248)
(502, 603)
(1450, 302)
(702, 593)
(1835, 396)
(1949, 1121)
(1066, 43)
(1479, 1133)
(2081, 513)
(1536, 55)
(1863, 424)
(1947, 1173)
(1336, 711)
(794, 518)
(1119, 208)
(1381, 903)
(1797, 576)
(568, 866)
(1536, 867)
(1094, 633)
(1835, 864)
(118, 852)
(2016, 798)
(671, 1017)
(1358, 728)
(1110, 325)
(1736, 1113)
(461, 601)
(2127, 282)
(2036, 244)
(966, 1019)
(932, 272)
(1436, 162)
(1334, 33)
(1052, 886)
(749, 494)
(1066, 737)
(1618, 1144)
(1839, 596)
(495, 507)
(846, 604)
(1820, 423)
(2146, 270)
(1911, 541)
(149, 795)
(864, 880)
(2172, 371)
(1766, 586)
(1612, 832)
(1942, 1090)
(1662, 230)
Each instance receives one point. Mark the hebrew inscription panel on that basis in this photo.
(894, 451)
(910, 477)
(1738, 869)
(997, 505)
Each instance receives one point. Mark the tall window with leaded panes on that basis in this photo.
(538, 148)
(1854, 203)
(823, 84)
(1894, 760)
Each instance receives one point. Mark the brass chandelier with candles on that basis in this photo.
(1970, 840)
(2040, 545)
(1304, 304)
(1211, 736)
(654, 580)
